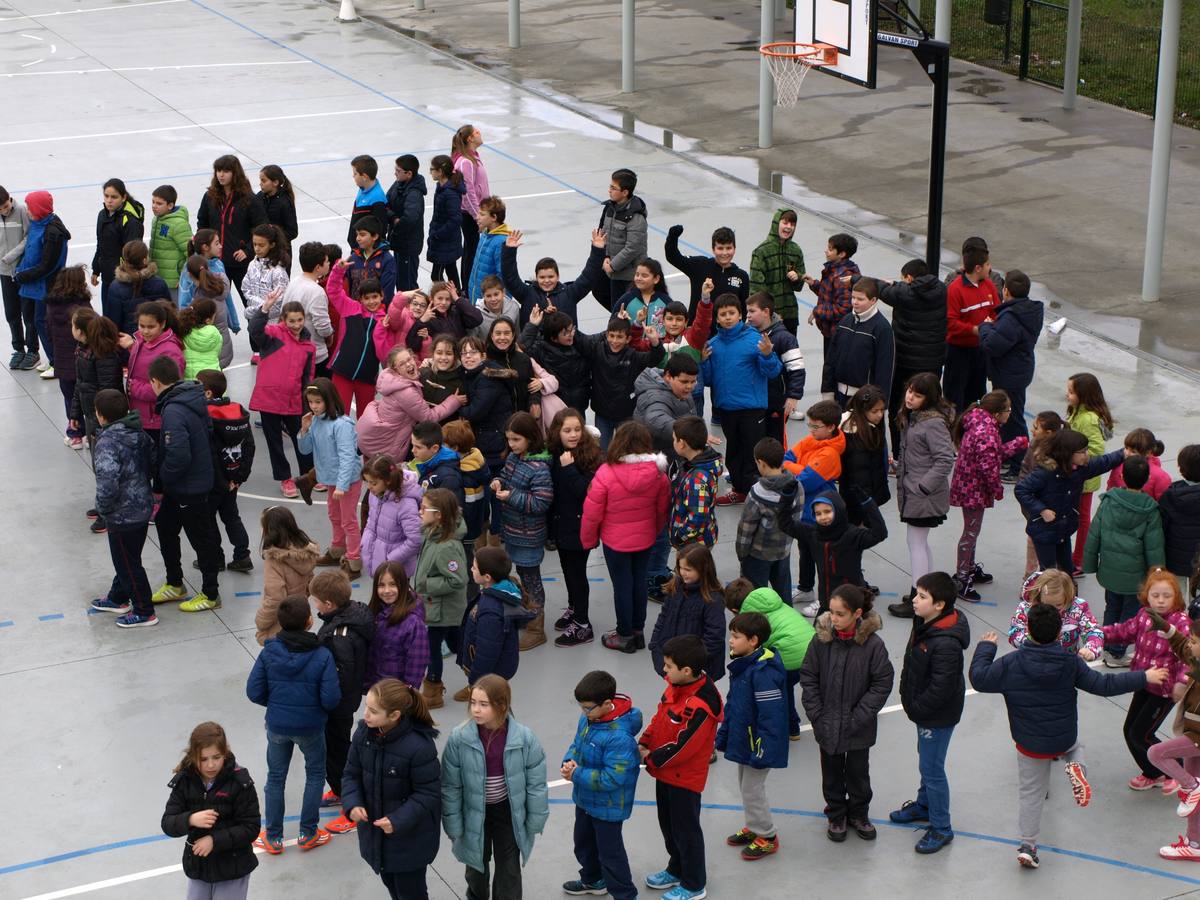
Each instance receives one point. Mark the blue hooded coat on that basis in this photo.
(605, 753)
(755, 730)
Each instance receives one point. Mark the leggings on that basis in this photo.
(920, 557)
(1085, 523)
(972, 524)
(446, 272)
(574, 569)
(1178, 758)
(1146, 714)
(531, 580)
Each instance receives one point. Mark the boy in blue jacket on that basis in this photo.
(602, 765)
(295, 679)
(755, 731)
(1041, 683)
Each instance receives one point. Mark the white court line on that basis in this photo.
(75, 12)
(242, 493)
(282, 62)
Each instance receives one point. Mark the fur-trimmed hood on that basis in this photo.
(128, 276)
(659, 459)
(867, 626)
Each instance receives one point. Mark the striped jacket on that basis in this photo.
(755, 730)
(789, 383)
(759, 535)
(532, 490)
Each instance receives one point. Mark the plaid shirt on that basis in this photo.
(833, 294)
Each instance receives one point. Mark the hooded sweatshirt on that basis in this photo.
(838, 547)
(1125, 540)
(657, 408)
(1008, 342)
(759, 535)
(123, 460)
(769, 265)
(490, 644)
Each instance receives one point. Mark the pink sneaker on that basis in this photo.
(1188, 802)
(1181, 849)
(1169, 787)
(1140, 782)
(288, 488)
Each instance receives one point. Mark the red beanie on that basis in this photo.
(40, 204)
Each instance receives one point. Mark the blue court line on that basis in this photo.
(248, 594)
(50, 616)
(7, 623)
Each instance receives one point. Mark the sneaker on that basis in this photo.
(979, 576)
(1112, 661)
(98, 526)
(575, 635)
(196, 565)
(863, 828)
(1027, 856)
(75, 443)
(909, 812)
(330, 799)
(969, 594)
(563, 622)
(154, 511)
(614, 641)
(133, 620)
(1188, 802)
(314, 840)
(578, 888)
(682, 893)
(731, 499)
(661, 881)
(200, 603)
(112, 606)
(836, 831)
(1077, 775)
(274, 846)
(244, 565)
(760, 847)
(1181, 849)
(18, 357)
(47, 374)
(1140, 782)
(93, 513)
(743, 837)
(802, 597)
(287, 487)
(320, 488)
(1010, 477)
(168, 593)
(41, 365)
(933, 841)
(1169, 787)
(655, 588)
(340, 825)
(812, 610)
(30, 362)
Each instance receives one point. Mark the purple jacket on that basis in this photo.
(398, 651)
(393, 532)
(976, 482)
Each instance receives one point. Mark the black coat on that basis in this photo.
(1179, 507)
(1008, 342)
(932, 685)
(281, 211)
(92, 375)
(566, 296)
(567, 364)
(406, 211)
(684, 611)
(489, 389)
(114, 231)
(395, 775)
(837, 548)
(58, 320)
(445, 225)
(864, 471)
(845, 684)
(613, 374)
(918, 322)
(233, 222)
(236, 802)
(571, 485)
(185, 461)
(348, 633)
(730, 280)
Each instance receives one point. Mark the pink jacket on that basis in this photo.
(1151, 649)
(1155, 487)
(137, 383)
(400, 322)
(335, 290)
(386, 424)
(626, 505)
(475, 181)
(285, 367)
(976, 481)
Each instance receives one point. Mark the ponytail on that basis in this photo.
(393, 695)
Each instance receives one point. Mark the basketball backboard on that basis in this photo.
(849, 25)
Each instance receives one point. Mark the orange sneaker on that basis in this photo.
(314, 840)
(340, 825)
(267, 845)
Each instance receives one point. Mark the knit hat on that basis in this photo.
(40, 204)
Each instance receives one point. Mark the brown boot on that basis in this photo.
(434, 693)
(305, 484)
(463, 695)
(534, 634)
(331, 557)
(352, 567)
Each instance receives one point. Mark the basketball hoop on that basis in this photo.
(789, 62)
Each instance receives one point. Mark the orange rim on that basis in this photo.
(805, 54)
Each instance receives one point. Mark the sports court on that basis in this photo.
(94, 718)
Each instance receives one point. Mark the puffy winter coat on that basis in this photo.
(532, 490)
(923, 466)
(129, 290)
(58, 320)
(489, 407)
(286, 573)
(490, 633)
(1008, 342)
(620, 499)
(1048, 487)
(286, 364)
(571, 485)
(657, 408)
(566, 295)
(185, 452)
(1041, 684)
(123, 460)
(334, 451)
(385, 426)
(759, 535)
(694, 490)
(94, 374)
(790, 632)
(769, 265)
(281, 210)
(445, 227)
(624, 226)
(846, 683)
(789, 383)
(838, 547)
(737, 371)
(1179, 507)
(817, 464)
(45, 254)
(380, 265)
(347, 633)
(235, 801)
(566, 363)
(296, 680)
(932, 686)
(1151, 648)
(1080, 630)
(607, 764)
(233, 222)
(442, 470)
(918, 322)
(393, 532)
(113, 231)
(864, 471)
(755, 730)
(202, 350)
(141, 354)
(685, 611)
(1125, 540)
(406, 206)
(1097, 433)
(441, 579)
(464, 777)
(861, 351)
(487, 259)
(395, 775)
(1155, 486)
(615, 374)
(400, 650)
(683, 732)
(976, 481)
(14, 226)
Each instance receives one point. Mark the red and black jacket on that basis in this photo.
(683, 733)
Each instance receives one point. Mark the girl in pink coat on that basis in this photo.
(354, 360)
(976, 483)
(406, 307)
(393, 532)
(625, 509)
(156, 337)
(464, 152)
(1142, 442)
(386, 424)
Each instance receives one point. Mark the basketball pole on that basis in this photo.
(627, 51)
(1071, 60)
(1160, 154)
(514, 24)
(766, 84)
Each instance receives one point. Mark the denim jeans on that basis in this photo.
(627, 570)
(776, 574)
(279, 759)
(934, 792)
(660, 556)
(698, 396)
(1119, 608)
(606, 427)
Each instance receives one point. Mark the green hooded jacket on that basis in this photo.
(1125, 540)
(769, 267)
(790, 631)
(441, 578)
(169, 238)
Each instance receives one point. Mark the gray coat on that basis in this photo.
(658, 408)
(625, 230)
(923, 466)
(13, 229)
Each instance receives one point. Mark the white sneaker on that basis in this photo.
(47, 374)
(1188, 803)
(799, 597)
(811, 610)
(42, 366)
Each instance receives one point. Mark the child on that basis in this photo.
(328, 434)
(1045, 425)
(214, 805)
(371, 260)
(835, 544)
(525, 491)
(119, 221)
(490, 642)
(1050, 494)
(68, 293)
(865, 459)
(493, 232)
(354, 361)
(1040, 685)
(785, 390)
(739, 364)
(136, 282)
(278, 199)
(393, 785)
(201, 340)
(435, 465)
(308, 290)
(693, 604)
(99, 365)
(663, 397)
(777, 267)
(615, 512)
(230, 205)
(441, 585)
(44, 253)
(923, 466)
(406, 219)
(1087, 413)
(648, 299)
(550, 338)
(295, 678)
(286, 365)
(833, 288)
(347, 631)
(1078, 629)
(445, 245)
(1180, 510)
(763, 548)
(14, 230)
(370, 201)
(169, 237)
(493, 791)
(206, 244)
(676, 748)
(1142, 442)
(208, 284)
(495, 304)
(602, 766)
(623, 221)
(490, 385)
(289, 556)
(932, 690)
(1148, 707)
(862, 348)
(615, 366)
(385, 425)
(123, 459)
(468, 165)
(726, 276)
(445, 377)
(400, 648)
(1125, 542)
(574, 458)
(233, 457)
(459, 437)
(155, 337)
(447, 313)
(754, 733)
(846, 680)
(976, 483)
(393, 531)
(694, 484)
(971, 299)
(267, 274)
(816, 462)
(546, 290)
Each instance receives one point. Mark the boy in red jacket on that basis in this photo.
(971, 299)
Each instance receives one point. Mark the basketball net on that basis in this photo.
(790, 63)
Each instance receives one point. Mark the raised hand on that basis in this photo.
(990, 637)
(706, 289)
(641, 315)
(599, 238)
(514, 239)
(536, 314)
